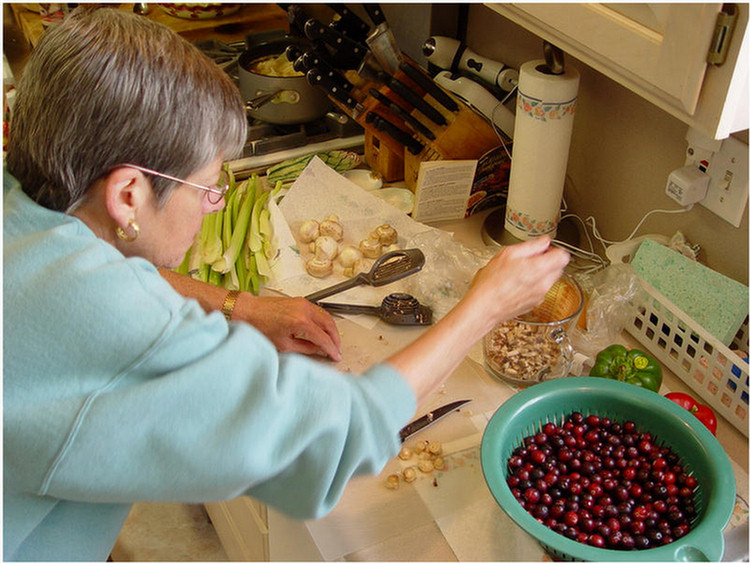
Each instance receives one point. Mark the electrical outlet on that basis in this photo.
(728, 189)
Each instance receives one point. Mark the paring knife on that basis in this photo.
(395, 132)
(429, 86)
(424, 421)
(403, 114)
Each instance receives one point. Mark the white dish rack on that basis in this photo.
(718, 374)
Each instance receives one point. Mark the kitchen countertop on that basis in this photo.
(444, 515)
(250, 18)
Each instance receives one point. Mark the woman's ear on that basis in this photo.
(125, 192)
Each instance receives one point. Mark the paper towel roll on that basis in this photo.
(541, 141)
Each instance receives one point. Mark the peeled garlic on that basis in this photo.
(326, 246)
(386, 234)
(309, 230)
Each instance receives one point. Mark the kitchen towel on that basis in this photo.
(541, 141)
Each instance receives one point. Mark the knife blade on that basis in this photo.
(382, 43)
(411, 98)
(395, 132)
(429, 86)
(424, 421)
(316, 78)
(402, 113)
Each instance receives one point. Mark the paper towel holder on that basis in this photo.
(554, 59)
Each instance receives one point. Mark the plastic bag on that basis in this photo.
(608, 309)
(448, 270)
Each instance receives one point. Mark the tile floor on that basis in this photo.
(168, 532)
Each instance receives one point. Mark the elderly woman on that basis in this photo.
(118, 388)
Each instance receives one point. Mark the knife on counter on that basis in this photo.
(317, 78)
(395, 132)
(382, 43)
(403, 114)
(429, 85)
(431, 417)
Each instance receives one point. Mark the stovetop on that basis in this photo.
(268, 143)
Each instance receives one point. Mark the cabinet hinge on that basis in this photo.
(725, 22)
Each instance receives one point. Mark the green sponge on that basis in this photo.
(717, 303)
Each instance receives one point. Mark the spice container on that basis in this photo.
(535, 347)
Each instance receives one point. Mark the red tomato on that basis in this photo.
(701, 412)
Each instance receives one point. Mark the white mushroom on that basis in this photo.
(386, 234)
(309, 230)
(326, 246)
(332, 228)
(319, 266)
(391, 248)
(350, 256)
(409, 474)
(371, 247)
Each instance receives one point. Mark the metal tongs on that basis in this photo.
(396, 308)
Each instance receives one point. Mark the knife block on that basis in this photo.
(466, 136)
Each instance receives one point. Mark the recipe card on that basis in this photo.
(443, 189)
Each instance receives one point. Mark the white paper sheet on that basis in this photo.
(317, 193)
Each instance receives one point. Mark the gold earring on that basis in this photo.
(122, 235)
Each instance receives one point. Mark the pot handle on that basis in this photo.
(259, 101)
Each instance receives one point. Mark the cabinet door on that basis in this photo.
(659, 48)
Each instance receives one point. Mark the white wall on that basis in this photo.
(622, 151)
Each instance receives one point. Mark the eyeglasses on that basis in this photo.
(214, 193)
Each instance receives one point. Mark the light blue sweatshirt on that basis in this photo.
(117, 390)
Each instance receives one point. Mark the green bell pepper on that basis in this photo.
(631, 366)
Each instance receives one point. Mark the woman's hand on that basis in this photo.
(512, 283)
(293, 324)
(516, 279)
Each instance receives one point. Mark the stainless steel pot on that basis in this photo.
(279, 99)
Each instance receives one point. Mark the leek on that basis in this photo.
(237, 238)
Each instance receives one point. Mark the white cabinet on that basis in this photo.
(658, 51)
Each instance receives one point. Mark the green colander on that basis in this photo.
(701, 454)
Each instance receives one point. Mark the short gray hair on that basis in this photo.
(107, 87)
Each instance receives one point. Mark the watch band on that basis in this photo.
(229, 302)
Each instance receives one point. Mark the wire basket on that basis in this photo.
(702, 456)
(718, 374)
